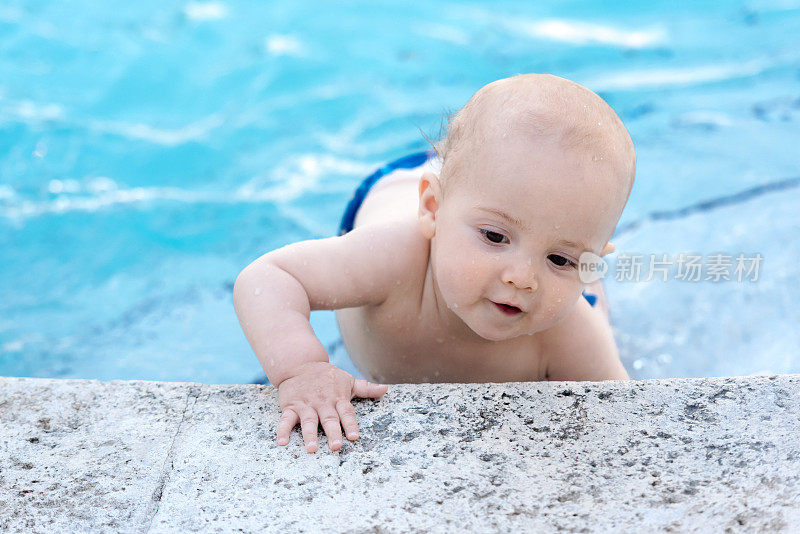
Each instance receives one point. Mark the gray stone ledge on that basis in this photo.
(681, 455)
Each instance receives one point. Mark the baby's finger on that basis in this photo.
(348, 417)
(289, 419)
(362, 388)
(309, 424)
(333, 428)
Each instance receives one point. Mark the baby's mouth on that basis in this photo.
(507, 308)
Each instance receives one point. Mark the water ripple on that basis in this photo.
(165, 137)
(29, 112)
(685, 76)
(201, 11)
(287, 182)
(585, 33)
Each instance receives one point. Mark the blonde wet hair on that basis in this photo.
(539, 104)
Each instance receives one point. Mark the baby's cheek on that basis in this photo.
(466, 272)
(459, 277)
(477, 266)
(455, 280)
(565, 305)
(560, 304)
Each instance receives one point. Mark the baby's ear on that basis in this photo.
(429, 195)
(608, 249)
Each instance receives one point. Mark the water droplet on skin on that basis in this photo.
(556, 227)
(436, 373)
(305, 262)
(272, 361)
(257, 292)
(455, 306)
(439, 340)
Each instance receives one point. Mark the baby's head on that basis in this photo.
(536, 170)
(538, 107)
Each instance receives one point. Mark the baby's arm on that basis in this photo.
(273, 297)
(582, 347)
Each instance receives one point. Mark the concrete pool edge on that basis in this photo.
(684, 454)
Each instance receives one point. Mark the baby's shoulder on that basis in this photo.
(408, 238)
(581, 347)
(410, 251)
(382, 260)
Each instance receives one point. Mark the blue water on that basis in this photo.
(151, 150)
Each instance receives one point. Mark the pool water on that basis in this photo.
(151, 150)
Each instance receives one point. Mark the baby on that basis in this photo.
(461, 268)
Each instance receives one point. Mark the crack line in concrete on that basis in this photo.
(166, 469)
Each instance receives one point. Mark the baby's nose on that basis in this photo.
(521, 276)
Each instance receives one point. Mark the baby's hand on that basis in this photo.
(321, 392)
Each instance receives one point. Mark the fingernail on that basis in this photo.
(335, 443)
(282, 441)
(354, 435)
(311, 444)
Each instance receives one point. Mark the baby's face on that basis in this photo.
(510, 230)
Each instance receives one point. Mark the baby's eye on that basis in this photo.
(561, 261)
(494, 237)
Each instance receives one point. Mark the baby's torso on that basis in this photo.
(393, 343)
(401, 340)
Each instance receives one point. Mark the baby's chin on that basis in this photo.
(497, 337)
(494, 334)
(504, 338)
